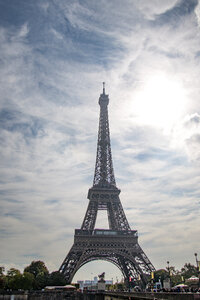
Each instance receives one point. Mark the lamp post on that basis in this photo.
(198, 270)
(168, 267)
(196, 260)
(91, 280)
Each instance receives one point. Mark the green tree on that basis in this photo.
(14, 279)
(27, 281)
(13, 272)
(160, 274)
(37, 268)
(56, 278)
(176, 279)
(40, 273)
(41, 281)
(188, 270)
(2, 278)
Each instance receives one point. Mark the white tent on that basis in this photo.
(192, 278)
(181, 285)
(61, 287)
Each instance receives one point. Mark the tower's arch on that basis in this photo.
(95, 267)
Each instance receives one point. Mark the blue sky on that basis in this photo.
(54, 56)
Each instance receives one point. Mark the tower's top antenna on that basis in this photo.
(103, 99)
(104, 88)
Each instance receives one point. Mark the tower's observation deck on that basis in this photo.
(106, 232)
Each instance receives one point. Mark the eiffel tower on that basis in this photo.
(118, 244)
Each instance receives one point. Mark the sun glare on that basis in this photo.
(160, 102)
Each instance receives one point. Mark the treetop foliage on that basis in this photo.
(37, 268)
(35, 276)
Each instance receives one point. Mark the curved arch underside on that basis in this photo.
(130, 263)
(110, 260)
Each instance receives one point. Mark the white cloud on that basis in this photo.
(50, 87)
(155, 7)
(197, 12)
(186, 136)
(23, 32)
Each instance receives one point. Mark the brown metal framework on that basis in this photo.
(119, 244)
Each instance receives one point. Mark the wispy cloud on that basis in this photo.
(54, 56)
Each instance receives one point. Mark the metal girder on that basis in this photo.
(104, 173)
(106, 199)
(122, 250)
(119, 244)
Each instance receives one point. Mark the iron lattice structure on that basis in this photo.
(118, 244)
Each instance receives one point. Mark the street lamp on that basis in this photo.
(91, 280)
(198, 270)
(168, 267)
(196, 260)
(169, 279)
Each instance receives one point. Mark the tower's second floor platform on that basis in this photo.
(105, 239)
(106, 233)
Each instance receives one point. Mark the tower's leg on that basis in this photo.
(90, 216)
(116, 216)
(69, 265)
